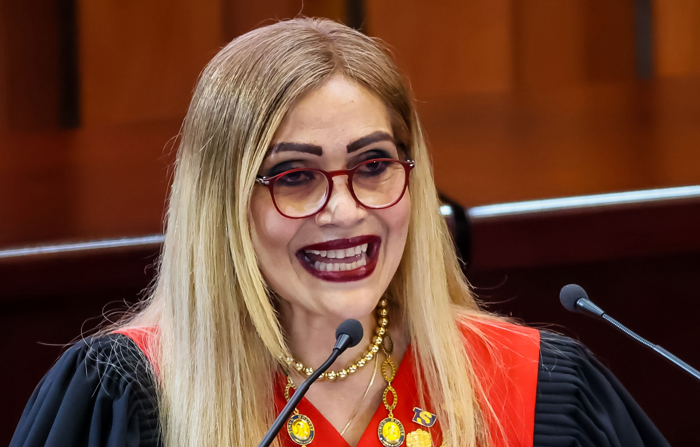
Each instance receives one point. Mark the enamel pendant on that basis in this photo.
(391, 432)
(300, 429)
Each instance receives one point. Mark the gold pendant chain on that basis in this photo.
(391, 431)
(374, 347)
(359, 404)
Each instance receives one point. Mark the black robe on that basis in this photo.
(100, 394)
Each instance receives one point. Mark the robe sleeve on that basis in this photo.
(100, 393)
(580, 402)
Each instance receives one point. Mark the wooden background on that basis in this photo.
(520, 100)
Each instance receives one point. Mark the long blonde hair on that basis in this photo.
(219, 335)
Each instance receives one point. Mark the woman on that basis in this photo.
(303, 196)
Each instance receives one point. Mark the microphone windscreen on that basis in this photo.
(353, 329)
(570, 294)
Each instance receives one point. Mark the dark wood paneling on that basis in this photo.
(676, 31)
(30, 82)
(84, 184)
(139, 61)
(591, 234)
(241, 17)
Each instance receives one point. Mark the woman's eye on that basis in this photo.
(297, 178)
(373, 167)
(372, 154)
(284, 167)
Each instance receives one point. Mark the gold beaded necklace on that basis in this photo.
(365, 358)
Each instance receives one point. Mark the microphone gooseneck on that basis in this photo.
(348, 334)
(575, 299)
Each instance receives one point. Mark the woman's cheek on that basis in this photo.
(272, 232)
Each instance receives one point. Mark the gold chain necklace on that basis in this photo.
(380, 332)
(391, 432)
(364, 396)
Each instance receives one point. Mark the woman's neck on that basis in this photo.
(311, 337)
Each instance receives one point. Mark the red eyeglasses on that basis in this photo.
(303, 192)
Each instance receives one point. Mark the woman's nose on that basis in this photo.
(342, 209)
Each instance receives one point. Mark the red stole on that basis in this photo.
(507, 372)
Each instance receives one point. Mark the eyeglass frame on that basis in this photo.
(269, 182)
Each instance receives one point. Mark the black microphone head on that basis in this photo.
(570, 294)
(351, 328)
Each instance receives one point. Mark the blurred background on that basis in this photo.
(521, 101)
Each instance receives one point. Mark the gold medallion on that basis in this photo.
(391, 432)
(300, 429)
(419, 438)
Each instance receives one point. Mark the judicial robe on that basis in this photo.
(546, 390)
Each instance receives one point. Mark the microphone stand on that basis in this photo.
(654, 347)
(575, 299)
(342, 343)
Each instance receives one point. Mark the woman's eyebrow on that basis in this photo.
(369, 139)
(297, 147)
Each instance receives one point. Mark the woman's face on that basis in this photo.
(337, 263)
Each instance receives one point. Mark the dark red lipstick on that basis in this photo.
(341, 260)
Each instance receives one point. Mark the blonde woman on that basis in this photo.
(303, 196)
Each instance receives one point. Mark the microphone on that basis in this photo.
(575, 299)
(348, 334)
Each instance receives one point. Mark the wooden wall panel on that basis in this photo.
(139, 61)
(29, 65)
(463, 48)
(84, 184)
(447, 48)
(676, 29)
(242, 16)
(573, 43)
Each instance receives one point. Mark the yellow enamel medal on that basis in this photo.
(299, 426)
(300, 429)
(391, 432)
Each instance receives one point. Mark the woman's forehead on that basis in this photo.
(338, 113)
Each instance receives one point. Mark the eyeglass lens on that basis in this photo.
(376, 183)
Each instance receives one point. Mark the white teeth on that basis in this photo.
(341, 253)
(340, 266)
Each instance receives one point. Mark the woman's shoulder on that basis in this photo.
(576, 399)
(495, 340)
(579, 401)
(100, 392)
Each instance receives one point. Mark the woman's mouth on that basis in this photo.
(341, 260)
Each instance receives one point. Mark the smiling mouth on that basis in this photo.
(341, 260)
